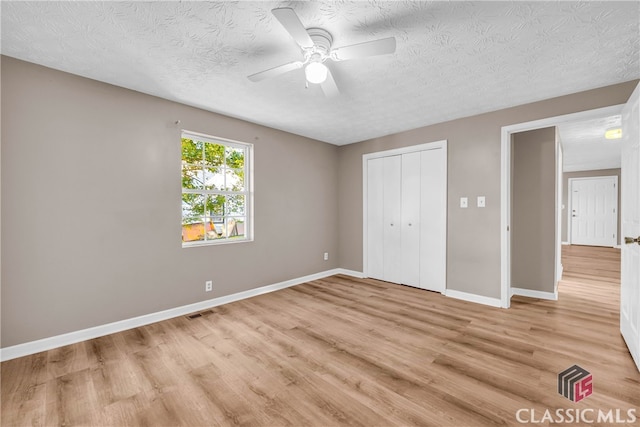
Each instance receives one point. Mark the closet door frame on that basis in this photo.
(437, 145)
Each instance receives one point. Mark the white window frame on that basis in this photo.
(248, 189)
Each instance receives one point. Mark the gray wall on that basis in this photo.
(91, 206)
(473, 241)
(91, 201)
(533, 210)
(565, 195)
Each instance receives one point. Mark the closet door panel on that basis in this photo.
(392, 194)
(410, 258)
(433, 220)
(375, 220)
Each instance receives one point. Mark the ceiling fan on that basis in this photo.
(316, 48)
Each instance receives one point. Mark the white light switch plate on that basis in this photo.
(464, 202)
(481, 201)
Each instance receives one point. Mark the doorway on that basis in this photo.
(507, 188)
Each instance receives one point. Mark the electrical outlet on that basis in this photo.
(464, 202)
(326, 256)
(208, 286)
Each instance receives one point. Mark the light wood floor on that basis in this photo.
(341, 351)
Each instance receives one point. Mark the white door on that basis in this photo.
(384, 199)
(375, 218)
(433, 220)
(392, 193)
(594, 211)
(630, 217)
(410, 223)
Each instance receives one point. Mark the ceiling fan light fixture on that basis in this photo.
(316, 72)
(615, 133)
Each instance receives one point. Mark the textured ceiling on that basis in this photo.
(585, 147)
(453, 59)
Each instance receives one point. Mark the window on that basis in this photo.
(216, 190)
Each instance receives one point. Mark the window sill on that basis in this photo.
(199, 244)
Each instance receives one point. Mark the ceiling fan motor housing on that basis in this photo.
(322, 40)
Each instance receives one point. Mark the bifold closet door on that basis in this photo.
(392, 219)
(433, 221)
(406, 220)
(410, 236)
(383, 218)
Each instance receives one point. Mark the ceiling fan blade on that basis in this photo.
(275, 71)
(362, 50)
(329, 86)
(290, 21)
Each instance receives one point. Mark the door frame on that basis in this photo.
(505, 185)
(395, 152)
(570, 204)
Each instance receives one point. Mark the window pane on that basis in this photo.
(234, 180)
(215, 206)
(218, 227)
(192, 151)
(192, 232)
(234, 158)
(229, 228)
(213, 178)
(211, 232)
(192, 176)
(237, 229)
(235, 205)
(192, 208)
(213, 155)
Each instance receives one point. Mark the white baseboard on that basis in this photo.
(553, 296)
(566, 243)
(493, 302)
(351, 273)
(44, 344)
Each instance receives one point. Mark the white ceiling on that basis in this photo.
(453, 59)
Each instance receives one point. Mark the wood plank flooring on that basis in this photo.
(341, 351)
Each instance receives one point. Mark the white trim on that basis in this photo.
(405, 150)
(559, 278)
(505, 218)
(247, 193)
(479, 299)
(553, 296)
(442, 144)
(215, 139)
(505, 182)
(566, 243)
(44, 344)
(445, 243)
(352, 273)
(559, 153)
